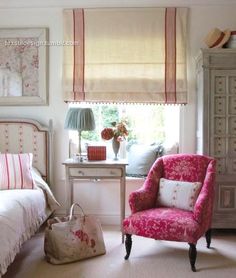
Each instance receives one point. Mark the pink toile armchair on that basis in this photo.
(151, 219)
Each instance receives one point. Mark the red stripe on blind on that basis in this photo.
(74, 68)
(82, 54)
(78, 69)
(170, 55)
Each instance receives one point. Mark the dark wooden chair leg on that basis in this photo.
(192, 256)
(208, 238)
(128, 245)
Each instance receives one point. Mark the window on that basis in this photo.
(147, 124)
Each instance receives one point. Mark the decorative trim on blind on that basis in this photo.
(170, 55)
(78, 68)
(125, 55)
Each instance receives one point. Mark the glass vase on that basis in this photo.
(115, 147)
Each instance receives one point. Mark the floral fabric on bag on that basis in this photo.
(73, 240)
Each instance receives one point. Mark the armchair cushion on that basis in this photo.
(164, 224)
(178, 194)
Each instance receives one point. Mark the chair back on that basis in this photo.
(185, 167)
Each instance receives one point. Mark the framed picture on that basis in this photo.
(23, 66)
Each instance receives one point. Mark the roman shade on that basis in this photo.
(125, 55)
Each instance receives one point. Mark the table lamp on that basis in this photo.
(79, 119)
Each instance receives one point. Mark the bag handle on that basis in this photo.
(72, 211)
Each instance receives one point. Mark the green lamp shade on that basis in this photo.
(80, 119)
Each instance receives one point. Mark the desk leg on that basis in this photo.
(122, 204)
(69, 191)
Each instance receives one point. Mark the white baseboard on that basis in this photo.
(104, 218)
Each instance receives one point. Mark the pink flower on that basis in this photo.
(107, 133)
(119, 131)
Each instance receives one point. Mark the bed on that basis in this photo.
(24, 205)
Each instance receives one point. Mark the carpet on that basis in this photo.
(149, 258)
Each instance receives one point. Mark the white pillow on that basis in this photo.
(15, 171)
(39, 182)
(178, 194)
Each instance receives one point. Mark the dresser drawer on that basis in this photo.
(95, 172)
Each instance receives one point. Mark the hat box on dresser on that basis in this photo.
(232, 40)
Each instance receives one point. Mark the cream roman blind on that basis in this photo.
(125, 55)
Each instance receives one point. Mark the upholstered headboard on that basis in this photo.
(28, 136)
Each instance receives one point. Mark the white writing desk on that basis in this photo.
(105, 169)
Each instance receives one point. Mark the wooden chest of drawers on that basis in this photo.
(216, 126)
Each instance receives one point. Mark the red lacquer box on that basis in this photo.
(97, 153)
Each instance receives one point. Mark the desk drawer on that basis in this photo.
(95, 172)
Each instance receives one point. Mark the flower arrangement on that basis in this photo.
(118, 131)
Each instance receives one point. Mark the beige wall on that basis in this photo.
(103, 197)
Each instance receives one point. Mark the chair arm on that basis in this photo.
(200, 207)
(141, 199)
(145, 197)
(204, 205)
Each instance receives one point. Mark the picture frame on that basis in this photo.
(23, 66)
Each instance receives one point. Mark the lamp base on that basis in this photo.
(80, 158)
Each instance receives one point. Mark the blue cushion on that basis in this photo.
(141, 157)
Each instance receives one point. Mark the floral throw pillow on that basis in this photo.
(15, 171)
(178, 194)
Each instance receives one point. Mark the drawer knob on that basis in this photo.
(112, 173)
(81, 173)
